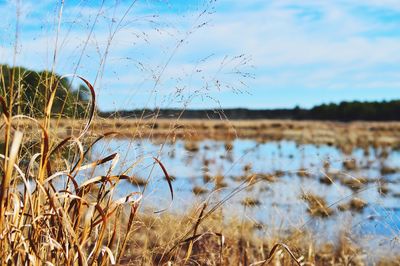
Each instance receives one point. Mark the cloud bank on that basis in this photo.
(170, 53)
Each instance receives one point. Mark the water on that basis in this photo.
(281, 206)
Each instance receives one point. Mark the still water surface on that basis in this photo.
(280, 204)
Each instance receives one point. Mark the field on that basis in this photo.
(343, 135)
(243, 192)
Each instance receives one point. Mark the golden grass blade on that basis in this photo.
(5, 184)
(67, 195)
(134, 208)
(62, 143)
(86, 224)
(44, 143)
(57, 174)
(72, 179)
(129, 199)
(189, 251)
(23, 177)
(169, 181)
(167, 177)
(272, 253)
(107, 134)
(13, 153)
(114, 162)
(104, 216)
(16, 207)
(92, 106)
(91, 181)
(198, 237)
(98, 162)
(80, 155)
(109, 253)
(28, 169)
(59, 145)
(91, 145)
(103, 179)
(92, 103)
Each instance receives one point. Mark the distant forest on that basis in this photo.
(32, 92)
(344, 111)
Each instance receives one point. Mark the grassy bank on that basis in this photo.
(50, 215)
(183, 240)
(343, 135)
(81, 221)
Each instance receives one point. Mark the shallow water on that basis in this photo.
(281, 206)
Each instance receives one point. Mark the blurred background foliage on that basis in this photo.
(32, 92)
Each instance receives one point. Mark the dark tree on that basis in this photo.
(32, 92)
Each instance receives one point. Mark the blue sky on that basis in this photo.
(206, 54)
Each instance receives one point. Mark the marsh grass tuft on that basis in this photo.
(250, 202)
(198, 190)
(355, 204)
(317, 206)
(137, 181)
(354, 183)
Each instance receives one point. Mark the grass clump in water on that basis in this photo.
(355, 204)
(138, 181)
(250, 202)
(198, 190)
(317, 206)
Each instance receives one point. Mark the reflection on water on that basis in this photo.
(370, 175)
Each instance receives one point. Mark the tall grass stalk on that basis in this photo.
(46, 223)
(41, 222)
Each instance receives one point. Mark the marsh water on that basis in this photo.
(276, 204)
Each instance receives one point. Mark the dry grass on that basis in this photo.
(350, 164)
(219, 181)
(250, 202)
(354, 183)
(137, 181)
(198, 190)
(80, 222)
(328, 178)
(218, 241)
(303, 173)
(387, 170)
(345, 136)
(317, 206)
(55, 211)
(191, 146)
(44, 223)
(355, 204)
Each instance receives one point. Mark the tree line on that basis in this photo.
(344, 111)
(31, 92)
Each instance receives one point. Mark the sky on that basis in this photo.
(211, 54)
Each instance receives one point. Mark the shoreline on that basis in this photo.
(345, 135)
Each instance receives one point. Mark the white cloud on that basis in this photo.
(307, 44)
